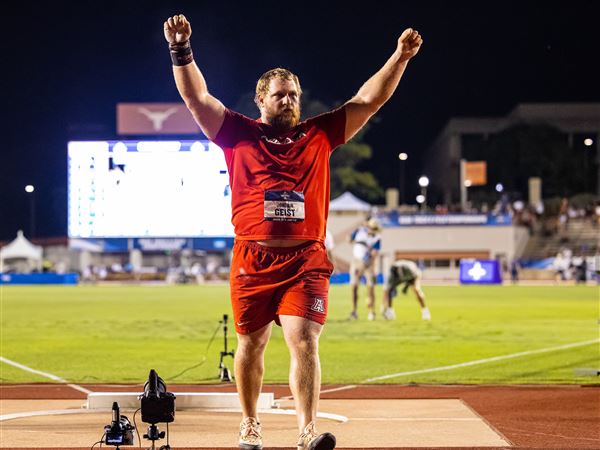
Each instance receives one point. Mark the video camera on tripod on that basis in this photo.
(158, 405)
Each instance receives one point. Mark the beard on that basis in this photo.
(284, 120)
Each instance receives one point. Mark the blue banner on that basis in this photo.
(394, 219)
(38, 278)
(480, 271)
(123, 245)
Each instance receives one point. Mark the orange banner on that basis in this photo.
(476, 172)
(155, 118)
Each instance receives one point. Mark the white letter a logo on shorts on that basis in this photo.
(318, 305)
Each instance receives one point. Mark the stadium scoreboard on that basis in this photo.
(148, 189)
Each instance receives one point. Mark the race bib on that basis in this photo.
(284, 206)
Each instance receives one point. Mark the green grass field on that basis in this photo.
(116, 334)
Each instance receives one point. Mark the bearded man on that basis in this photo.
(279, 178)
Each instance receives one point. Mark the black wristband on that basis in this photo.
(181, 53)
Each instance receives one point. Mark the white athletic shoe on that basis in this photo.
(389, 314)
(425, 314)
(353, 316)
(371, 315)
(310, 440)
(250, 437)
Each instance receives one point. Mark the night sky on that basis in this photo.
(66, 66)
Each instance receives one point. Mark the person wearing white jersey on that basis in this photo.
(366, 246)
(407, 272)
(329, 245)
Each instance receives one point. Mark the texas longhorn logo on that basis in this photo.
(157, 117)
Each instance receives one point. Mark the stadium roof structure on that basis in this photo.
(349, 202)
(21, 248)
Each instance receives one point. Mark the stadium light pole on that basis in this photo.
(424, 182)
(402, 157)
(30, 189)
(588, 142)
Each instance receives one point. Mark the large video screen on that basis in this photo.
(148, 188)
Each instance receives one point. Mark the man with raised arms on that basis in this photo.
(279, 178)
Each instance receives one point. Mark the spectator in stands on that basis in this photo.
(596, 214)
(580, 269)
(514, 270)
(563, 219)
(561, 265)
(87, 274)
(404, 272)
(504, 206)
(101, 272)
(366, 242)
(46, 266)
(212, 268)
(197, 272)
(60, 267)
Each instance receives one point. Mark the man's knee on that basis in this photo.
(254, 343)
(306, 341)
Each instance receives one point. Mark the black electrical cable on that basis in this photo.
(98, 442)
(136, 428)
(203, 358)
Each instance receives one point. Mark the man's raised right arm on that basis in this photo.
(208, 111)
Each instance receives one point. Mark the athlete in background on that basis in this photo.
(404, 272)
(279, 178)
(366, 245)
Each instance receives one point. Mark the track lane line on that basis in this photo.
(44, 374)
(483, 361)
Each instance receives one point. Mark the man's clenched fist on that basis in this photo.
(177, 29)
(409, 44)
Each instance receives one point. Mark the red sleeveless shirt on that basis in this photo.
(280, 183)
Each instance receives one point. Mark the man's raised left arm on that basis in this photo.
(380, 87)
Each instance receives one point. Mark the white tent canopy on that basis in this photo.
(348, 202)
(21, 248)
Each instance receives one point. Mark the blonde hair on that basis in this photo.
(262, 85)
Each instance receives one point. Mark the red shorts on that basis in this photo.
(269, 281)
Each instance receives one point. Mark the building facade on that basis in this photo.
(577, 121)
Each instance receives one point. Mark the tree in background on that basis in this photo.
(345, 175)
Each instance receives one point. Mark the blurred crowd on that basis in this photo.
(568, 267)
